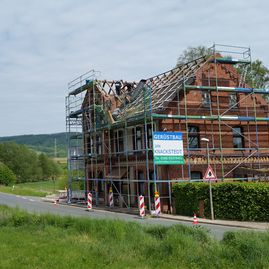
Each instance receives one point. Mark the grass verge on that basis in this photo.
(40, 188)
(22, 191)
(46, 241)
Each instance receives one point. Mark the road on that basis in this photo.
(36, 205)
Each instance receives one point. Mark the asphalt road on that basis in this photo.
(35, 204)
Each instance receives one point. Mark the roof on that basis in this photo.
(157, 92)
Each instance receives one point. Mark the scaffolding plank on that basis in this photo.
(213, 117)
(229, 89)
(75, 114)
(87, 85)
(228, 60)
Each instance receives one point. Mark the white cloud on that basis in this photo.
(45, 44)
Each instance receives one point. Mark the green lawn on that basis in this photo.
(45, 241)
(41, 188)
(22, 191)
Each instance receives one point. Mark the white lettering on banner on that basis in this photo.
(168, 148)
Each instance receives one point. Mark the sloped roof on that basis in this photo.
(155, 93)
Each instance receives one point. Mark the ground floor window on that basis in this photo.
(196, 175)
(141, 183)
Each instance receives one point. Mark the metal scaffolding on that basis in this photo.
(110, 127)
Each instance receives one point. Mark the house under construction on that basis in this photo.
(110, 126)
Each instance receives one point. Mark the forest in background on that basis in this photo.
(43, 143)
(18, 164)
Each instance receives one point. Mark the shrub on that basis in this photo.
(232, 200)
(7, 177)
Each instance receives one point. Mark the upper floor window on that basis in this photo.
(137, 138)
(119, 140)
(206, 99)
(193, 137)
(238, 139)
(89, 145)
(233, 101)
(98, 144)
(149, 136)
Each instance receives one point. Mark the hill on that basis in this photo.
(42, 143)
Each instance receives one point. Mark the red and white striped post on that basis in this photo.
(141, 206)
(89, 206)
(157, 204)
(111, 201)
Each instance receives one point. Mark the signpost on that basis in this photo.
(209, 176)
(168, 148)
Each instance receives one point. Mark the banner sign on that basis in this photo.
(168, 148)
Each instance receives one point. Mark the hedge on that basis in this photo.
(234, 200)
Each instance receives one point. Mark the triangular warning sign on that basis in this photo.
(209, 174)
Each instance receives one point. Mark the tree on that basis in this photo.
(192, 53)
(26, 164)
(50, 169)
(7, 177)
(257, 76)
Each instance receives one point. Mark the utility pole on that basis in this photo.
(210, 183)
(55, 156)
(55, 147)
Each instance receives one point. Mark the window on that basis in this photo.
(98, 144)
(238, 139)
(196, 175)
(149, 136)
(151, 178)
(141, 183)
(233, 101)
(206, 99)
(137, 138)
(89, 145)
(119, 141)
(193, 137)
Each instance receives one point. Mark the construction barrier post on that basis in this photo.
(89, 206)
(157, 204)
(141, 206)
(111, 201)
(195, 220)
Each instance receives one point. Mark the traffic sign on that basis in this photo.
(209, 174)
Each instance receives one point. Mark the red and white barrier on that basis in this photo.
(157, 204)
(111, 201)
(141, 206)
(195, 220)
(89, 206)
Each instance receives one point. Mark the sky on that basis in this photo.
(46, 44)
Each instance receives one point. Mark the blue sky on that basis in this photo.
(45, 44)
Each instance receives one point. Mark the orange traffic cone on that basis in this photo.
(195, 220)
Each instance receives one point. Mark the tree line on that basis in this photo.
(20, 164)
(53, 145)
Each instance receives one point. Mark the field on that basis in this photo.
(41, 188)
(45, 241)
